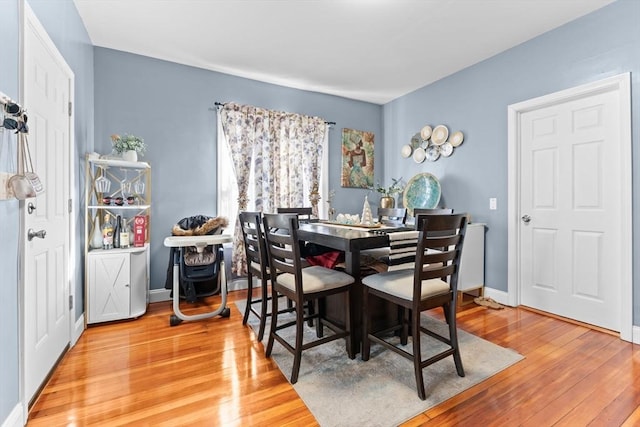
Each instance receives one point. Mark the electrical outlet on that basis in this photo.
(493, 203)
(5, 191)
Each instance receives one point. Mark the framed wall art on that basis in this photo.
(357, 159)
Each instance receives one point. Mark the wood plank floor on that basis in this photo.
(213, 373)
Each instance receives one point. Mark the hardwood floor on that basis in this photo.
(213, 373)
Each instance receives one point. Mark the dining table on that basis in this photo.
(352, 240)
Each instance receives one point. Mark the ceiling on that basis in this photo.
(369, 50)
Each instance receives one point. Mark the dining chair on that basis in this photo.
(431, 283)
(258, 267)
(395, 217)
(304, 214)
(302, 285)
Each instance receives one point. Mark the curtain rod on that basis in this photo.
(220, 104)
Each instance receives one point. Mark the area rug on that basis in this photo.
(382, 392)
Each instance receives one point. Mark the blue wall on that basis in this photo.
(62, 22)
(475, 100)
(169, 106)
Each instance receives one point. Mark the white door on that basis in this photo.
(46, 93)
(574, 233)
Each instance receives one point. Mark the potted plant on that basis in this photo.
(128, 146)
(387, 200)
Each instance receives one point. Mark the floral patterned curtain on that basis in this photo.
(285, 150)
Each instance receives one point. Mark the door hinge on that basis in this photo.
(70, 302)
(70, 205)
(70, 108)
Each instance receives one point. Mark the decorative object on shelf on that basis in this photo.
(96, 238)
(357, 158)
(387, 199)
(431, 144)
(129, 146)
(422, 191)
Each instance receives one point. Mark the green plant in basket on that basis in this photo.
(128, 143)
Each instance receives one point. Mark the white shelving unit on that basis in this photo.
(116, 280)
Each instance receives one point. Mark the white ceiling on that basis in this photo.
(370, 50)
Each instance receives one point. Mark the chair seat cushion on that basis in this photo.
(400, 284)
(316, 278)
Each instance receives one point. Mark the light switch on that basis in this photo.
(493, 203)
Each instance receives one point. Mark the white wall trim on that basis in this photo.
(636, 335)
(159, 295)
(622, 85)
(15, 418)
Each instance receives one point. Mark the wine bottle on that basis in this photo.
(116, 232)
(107, 233)
(124, 234)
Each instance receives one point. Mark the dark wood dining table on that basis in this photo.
(351, 240)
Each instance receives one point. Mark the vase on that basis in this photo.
(387, 202)
(130, 156)
(96, 238)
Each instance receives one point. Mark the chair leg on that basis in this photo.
(347, 325)
(453, 337)
(247, 309)
(322, 312)
(417, 354)
(274, 322)
(366, 344)
(263, 309)
(297, 355)
(404, 332)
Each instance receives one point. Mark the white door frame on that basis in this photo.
(28, 17)
(621, 84)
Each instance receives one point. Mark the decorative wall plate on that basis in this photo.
(440, 135)
(433, 153)
(446, 149)
(425, 133)
(456, 138)
(406, 150)
(419, 155)
(416, 140)
(422, 191)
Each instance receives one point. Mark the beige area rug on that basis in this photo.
(382, 391)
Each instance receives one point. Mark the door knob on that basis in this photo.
(31, 234)
(526, 219)
(30, 208)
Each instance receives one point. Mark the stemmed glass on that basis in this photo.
(102, 183)
(139, 188)
(125, 187)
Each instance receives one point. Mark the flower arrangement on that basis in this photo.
(395, 188)
(127, 143)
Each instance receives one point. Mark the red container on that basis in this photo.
(139, 230)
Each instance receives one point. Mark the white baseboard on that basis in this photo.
(635, 333)
(159, 295)
(500, 296)
(15, 418)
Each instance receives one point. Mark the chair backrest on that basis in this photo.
(440, 243)
(254, 244)
(304, 214)
(434, 211)
(392, 216)
(403, 246)
(281, 239)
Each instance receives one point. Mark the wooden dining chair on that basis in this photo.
(431, 283)
(258, 267)
(302, 285)
(304, 213)
(394, 217)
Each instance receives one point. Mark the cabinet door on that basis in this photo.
(109, 286)
(139, 282)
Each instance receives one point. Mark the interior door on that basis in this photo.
(571, 207)
(47, 86)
